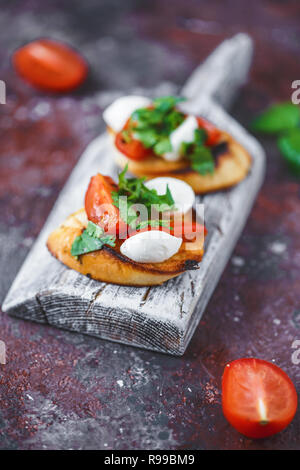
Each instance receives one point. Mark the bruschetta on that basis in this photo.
(110, 241)
(156, 138)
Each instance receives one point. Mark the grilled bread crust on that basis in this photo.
(231, 167)
(109, 265)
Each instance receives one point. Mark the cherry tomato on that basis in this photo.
(50, 65)
(134, 149)
(258, 397)
(99, 204)
(213, 134)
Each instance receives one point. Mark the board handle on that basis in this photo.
(220, 76)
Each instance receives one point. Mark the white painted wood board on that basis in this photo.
(161, 318)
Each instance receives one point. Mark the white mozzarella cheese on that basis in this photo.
(182, 193)
(117, 114)
(153, 246)
(184, 133)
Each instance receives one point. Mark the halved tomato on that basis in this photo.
(258, 397)
(133, 149)
(99, 204)
(50, 65)
(213, 133)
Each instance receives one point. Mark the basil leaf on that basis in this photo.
(163, 146)
(201, 157)
(94, 230)
(137, 193)
(91, 239)
(148, 137)
(289, 146)
(202, 161)
(166, 103)
(174, 119)
(203, 167)
(278, 118)
(152, 126)
(200, 136)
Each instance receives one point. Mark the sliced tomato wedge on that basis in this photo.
(213, 133)
(258, 397)
(99, 204)
(134, 149)
(50, 65)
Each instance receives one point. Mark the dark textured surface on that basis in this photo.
(64, 390)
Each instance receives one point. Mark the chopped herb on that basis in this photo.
(132, 191)
(201, 157)
(202, 161)
(163, 146)
(200, 136)
(91, 239)
(152, 126)
(166, 103)
(94, 230)
(148, 137)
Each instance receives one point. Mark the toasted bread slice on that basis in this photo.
(109, 265)
(231, 167)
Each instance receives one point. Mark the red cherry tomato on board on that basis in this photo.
(258, 397)
(50, 65)
(213, 134)
(99, 205)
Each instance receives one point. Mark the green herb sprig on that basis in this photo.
(152, 126)
(92, 238)
(133, 191)
(201, 157)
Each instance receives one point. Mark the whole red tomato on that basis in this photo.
(50, 65)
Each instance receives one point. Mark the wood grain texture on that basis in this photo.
(161, 318)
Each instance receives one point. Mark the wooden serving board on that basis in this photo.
(161, 318)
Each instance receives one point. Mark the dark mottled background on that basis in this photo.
(62, 390)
